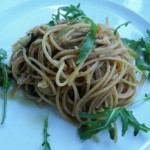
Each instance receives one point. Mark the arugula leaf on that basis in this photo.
(124, 121)
(133, 122)
(6, 85)
(144, 128)
(148, 76)
(139, 63)
(3, 54)
(4, 80)
(67, 13)
(90, 127)
(86, 132)
(142, 48)
(137, 46)
(88, 42)
(51, 23)
(111, 132)
(45, 143)
(124, 24)
(72, 14)
(131, 43)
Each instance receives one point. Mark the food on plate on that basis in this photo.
(81, 68)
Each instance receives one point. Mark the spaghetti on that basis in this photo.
(44, 63)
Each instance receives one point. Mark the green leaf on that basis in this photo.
(148, 75)
(146, 53)
(87, 129)
(4, 81)
(91, 126)
(45, 143)
(72, 14)
(110, 116)
(124, 24)
(66, 13)
(148, 32)
(86, 48)
(6, 85)
(133, 122)
(139, 63)
(111, 132)
(3, 54)
(51, 23)
(124, 120)
(88, 42)
(144, 128)
(131, 43)
(142, 48)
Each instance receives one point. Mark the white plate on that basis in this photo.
(24, 122)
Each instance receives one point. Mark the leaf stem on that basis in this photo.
(140, 100)
(124, 24)
(45, 143)
(5, 89)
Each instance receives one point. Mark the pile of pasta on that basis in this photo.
(44, 64)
